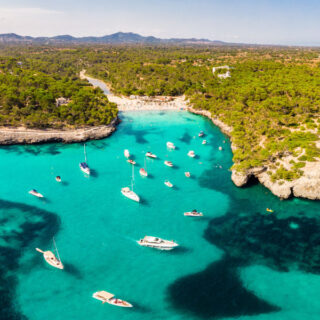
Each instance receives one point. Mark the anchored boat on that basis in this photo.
(131, 161)
(168, 184)
(201, 134)
(187, 174)
(35, 193)
(126, 153)
(193, 213)
(204, 141)
(83, 165)
(129, 193)
(191, 154)
(51, 258)
(168, 163)
(170, 145)
(151, 155)
(157, 243)
(107, 297)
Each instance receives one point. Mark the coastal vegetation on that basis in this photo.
(271, 100)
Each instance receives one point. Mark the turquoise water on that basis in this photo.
(210, 275)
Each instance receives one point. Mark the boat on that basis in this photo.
(269, 210)
(58, 178)
(187, 174)
(168, 184)
(131, 161)
(83, 165)
(126, 153)
(107, 297)
(191, 154)
(129, 193)
(143, 172)
(201, 134)
(168, 163)
(151, 155)
(35, 193)
(193, 213)
(157, 243)
(51, 258)
(170, 145)
(220, 148)
(204, 141)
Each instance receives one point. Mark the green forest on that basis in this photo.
(271, 100)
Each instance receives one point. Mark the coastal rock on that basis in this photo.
(9, 136)
(239, 178)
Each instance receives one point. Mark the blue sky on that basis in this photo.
(250, 21)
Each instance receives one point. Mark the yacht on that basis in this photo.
(126, 153)
(130, 194)
(168, 184)
(35, 193)
(201, 134)
(168, 163)
(157, 243)
(83, 165)
(204, 141)
(131, 161)
(170, 145)
(187, 174)
(191, 154)
(143, 172)
(51, 258)
(151, 155)
(193, 213)
(107, 297)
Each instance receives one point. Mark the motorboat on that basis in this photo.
(143, 172)
(151, 155)
(84, 167)
(191, 154)
(168, 163)
(170, 145)
(35, 193)
(204, 141)
(131, 161)
(193, 213)
(58, 178)
(201, 134)
(269, 210)
(130, 194)
(157, 243)
(187, 174)
(50, 257)
(220, 148)
(126, 153)
(168, 184)
(107, 297)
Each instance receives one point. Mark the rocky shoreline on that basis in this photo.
(307, 186)
(10, 136)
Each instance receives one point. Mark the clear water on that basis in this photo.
(96, 229)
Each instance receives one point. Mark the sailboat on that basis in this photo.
(50, 257)
(143, 172)
(129, 193)
(83, 165)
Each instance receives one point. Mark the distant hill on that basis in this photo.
(115, 38)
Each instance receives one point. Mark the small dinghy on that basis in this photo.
(168, 184)
(35, 193)
(201, 134)
(187, 174)
(170, 145)
(220, 148)
(107, 297)
(131, 161)
(126, 153)
(157, 243)
(191, 154)
(168, 163)
(51, 258)
(143, 172)
(151, 155)
(204, 141)
(58, 178)
(193, 213)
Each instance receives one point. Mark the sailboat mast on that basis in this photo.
(85, 154)
(132, 177)
(56, 249)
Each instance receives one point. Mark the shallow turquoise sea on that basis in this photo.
(235, 262)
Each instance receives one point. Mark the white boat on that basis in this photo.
(191, 154)
(151, 155)
(83, 165)
(168, 163)
(143, 172)
(220, 148)
(58, 178)
(35, 193)
(204, 141)
(201, 134)
(170, 145)
(107, 297)
(131, 161)
(193, 213)
(187, 174)
(51, 258)
(126, 153)
(168, 184)
(129, 193)
(157, 243)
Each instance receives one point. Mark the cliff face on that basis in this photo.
(307, 186)
(9, 136)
